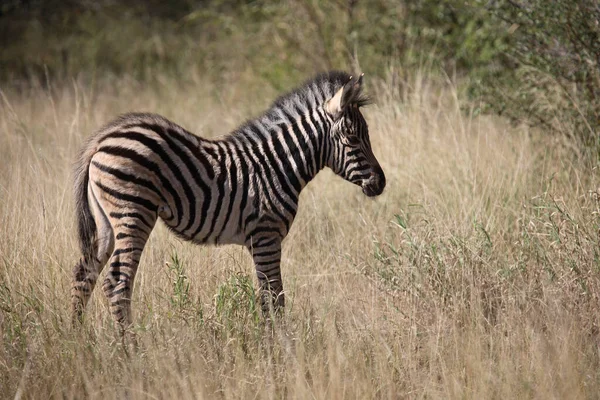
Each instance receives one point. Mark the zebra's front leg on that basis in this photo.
(267, 257)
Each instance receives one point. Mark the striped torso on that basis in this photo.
(225, 191)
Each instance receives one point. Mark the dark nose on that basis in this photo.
(379, 181)
(376, 183)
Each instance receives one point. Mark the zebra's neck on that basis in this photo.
(293, 141)
(301, 136)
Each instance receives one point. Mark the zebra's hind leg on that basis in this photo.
(86, 271)
(132, 229)
(266, 254)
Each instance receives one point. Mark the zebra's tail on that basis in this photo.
(86, 225)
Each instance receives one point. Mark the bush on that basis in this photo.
(529, 60)
(551, 75)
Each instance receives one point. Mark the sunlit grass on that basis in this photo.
(475, 274)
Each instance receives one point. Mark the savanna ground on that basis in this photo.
(475, 274)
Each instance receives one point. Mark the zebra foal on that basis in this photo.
(240, 189)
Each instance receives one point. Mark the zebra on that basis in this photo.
(242, 188)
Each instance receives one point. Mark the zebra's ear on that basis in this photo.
(344, 97)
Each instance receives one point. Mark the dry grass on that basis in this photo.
(475, 275)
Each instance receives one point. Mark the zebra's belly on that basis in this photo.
(216, 229)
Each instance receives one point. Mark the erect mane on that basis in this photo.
(318, 89)
(310, 94)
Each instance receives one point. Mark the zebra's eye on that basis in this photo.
(351, 140)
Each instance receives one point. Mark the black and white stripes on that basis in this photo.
(240, 189)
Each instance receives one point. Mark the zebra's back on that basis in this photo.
(146, 162)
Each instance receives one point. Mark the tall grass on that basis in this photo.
(475, 274)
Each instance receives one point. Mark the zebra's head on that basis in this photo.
(352, 157)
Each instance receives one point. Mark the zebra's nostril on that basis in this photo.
(376, 182)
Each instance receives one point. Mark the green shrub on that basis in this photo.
(236, 301)
(551, 74)
(530, 60)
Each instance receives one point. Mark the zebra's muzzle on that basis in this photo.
(375, 184)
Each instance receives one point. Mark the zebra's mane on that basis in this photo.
(318, 89)
(311, 94)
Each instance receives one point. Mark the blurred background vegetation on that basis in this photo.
(533, 61)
